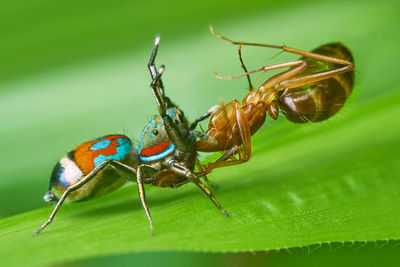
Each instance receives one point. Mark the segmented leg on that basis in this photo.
(152, 67)
(287, 49)
(264, 68)
(302, 80)
(172, 129)
(178, 168)
(163, 102)
(274, 81)
(211, 184)
(119, 167)
(240, 124)
(160, 98)
(144, 171)
(210, 112)
(244, 67)
(288, 79)
(295, 81)
(202, 170)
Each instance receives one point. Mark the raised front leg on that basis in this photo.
(151, 64)
(174, 122)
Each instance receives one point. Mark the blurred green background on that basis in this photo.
(71, 71)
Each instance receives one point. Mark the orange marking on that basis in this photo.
(157, 149)
(84, 157)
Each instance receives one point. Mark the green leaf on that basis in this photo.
(335, 181)
(292, 193)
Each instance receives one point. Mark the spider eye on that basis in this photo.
(155, 132)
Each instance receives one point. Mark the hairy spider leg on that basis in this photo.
(119, 167)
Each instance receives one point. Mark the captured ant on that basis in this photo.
(313, 89)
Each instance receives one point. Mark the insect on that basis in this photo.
(313, 89)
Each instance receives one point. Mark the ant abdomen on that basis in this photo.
(321, 100)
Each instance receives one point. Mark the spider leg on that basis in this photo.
(121, 168)
(142, 172)
(179, 168)
(151, 65)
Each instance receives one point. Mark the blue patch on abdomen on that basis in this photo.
(123, 149)
(100, 145)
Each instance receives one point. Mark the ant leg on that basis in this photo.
(244, 67)
(202, 170)
(142, 172)
(280, 77)
(212, 30)
(121, 168)
(227, 159)
(287, 49)
(298, 81)
(288, 79)
(265, 68)
(244, 131)
(178, 168)
(224, 161)
(243, 146)
(317, 56)
(211, 184)
(312, 78)
(221, 162)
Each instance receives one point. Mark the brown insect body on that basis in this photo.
(312, 89)
(320, 101)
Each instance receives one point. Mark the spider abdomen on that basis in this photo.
(82, 160)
